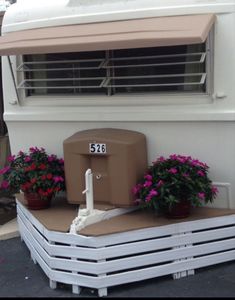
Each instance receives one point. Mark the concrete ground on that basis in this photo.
(20, 277)
(8, 223)
(9, 230)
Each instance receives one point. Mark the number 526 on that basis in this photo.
(97, 148)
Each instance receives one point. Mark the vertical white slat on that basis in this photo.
(190, 272)
(102, 292)
(21, 231)
(33, 258)
(178, 275)
(21, 237)
(185, 272)
(53, 284)
(76, 289)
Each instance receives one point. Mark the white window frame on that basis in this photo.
(157, 98)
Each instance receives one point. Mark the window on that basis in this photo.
(170, 69)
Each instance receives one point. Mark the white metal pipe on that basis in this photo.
(89, 191)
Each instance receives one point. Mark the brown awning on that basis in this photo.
(151, 32)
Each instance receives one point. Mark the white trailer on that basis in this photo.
(165, 68)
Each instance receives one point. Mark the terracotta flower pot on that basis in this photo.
(179, 210)
(35, 202)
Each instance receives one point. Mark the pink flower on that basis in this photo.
(160, 183)
(27, 159)
(35, 149)
(173, 156)
(185, 175)
(52, 157)
(11, 158)
(4, 184)
(201, 196)
(32, 149)
(153, 193)
(135, 190)
(4, 170)
(200, 173)
(58, 179)
(173, 171)
(214, 190)
(148, 177)
(148, 198)
(147, 183)
(182, 159)
(61, 161)
(195, 162)
(160, 159)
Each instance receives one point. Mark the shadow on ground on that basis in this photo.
(7, 208)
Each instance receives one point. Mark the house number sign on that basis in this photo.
(97, 148)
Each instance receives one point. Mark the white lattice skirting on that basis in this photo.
(115, 259)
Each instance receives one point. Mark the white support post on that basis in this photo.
(178, 275)
(21, 238)
(192, 271)
(102, 292)
(53, 284)
(76, 289)
(184, 273)
(33, 258)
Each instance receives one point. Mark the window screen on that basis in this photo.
(141, 70)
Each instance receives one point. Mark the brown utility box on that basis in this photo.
(117, 159)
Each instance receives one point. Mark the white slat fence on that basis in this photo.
(114, 259)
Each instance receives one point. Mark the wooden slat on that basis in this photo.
(139, 247)
(131, 276)
(57, 263)
(32, 249)
(60, 276)
(146, 233)
(131, 262)
(142, 246)
(56, 250)
(170, 254)
(135, 235)
(165, 269)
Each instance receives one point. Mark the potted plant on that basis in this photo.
(38, 175)
(173, 185)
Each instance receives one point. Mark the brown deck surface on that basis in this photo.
(61, 214)
(142, 219)
(58, 217)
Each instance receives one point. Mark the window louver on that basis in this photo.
(147, 70)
